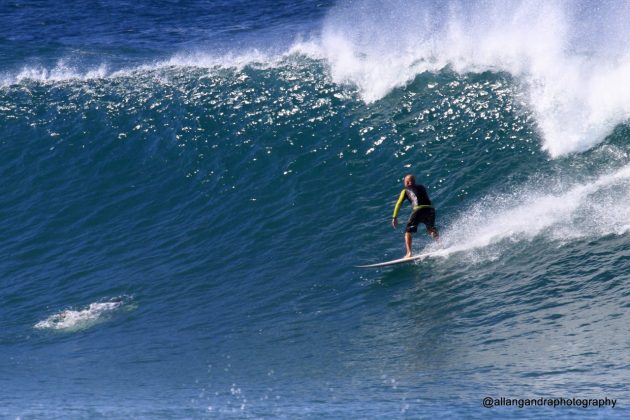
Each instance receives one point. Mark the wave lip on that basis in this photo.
(61, 72)
(64, 72)
(71, 320)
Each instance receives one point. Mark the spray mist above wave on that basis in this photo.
(588, 208)
(60, 73)
(63, 71)
(570, 56)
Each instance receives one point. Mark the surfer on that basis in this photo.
(423, 211)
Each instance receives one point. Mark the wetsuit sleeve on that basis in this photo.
(401, 198)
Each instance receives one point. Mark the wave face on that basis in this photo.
(186, 195)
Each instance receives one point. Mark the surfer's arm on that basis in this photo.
(401, 198)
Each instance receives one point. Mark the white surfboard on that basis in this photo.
(399, 261)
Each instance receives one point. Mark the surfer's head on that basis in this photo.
(409, 181)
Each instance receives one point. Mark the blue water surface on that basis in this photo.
(186, 195)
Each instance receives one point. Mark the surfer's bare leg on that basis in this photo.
(408, 244)
(433, 233)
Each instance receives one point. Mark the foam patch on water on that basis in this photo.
(79, 319)
(591, 208)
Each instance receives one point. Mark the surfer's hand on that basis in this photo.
(394, 222)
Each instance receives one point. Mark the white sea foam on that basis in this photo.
(78, 319)
(589, 208)
(570, 56)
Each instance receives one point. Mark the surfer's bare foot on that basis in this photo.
(408, 255)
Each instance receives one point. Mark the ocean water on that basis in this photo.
(189, 185)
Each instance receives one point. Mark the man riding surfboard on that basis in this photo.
(423, 211)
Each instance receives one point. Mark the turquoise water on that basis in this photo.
(183, 209)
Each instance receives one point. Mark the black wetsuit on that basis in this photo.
(423, 211)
